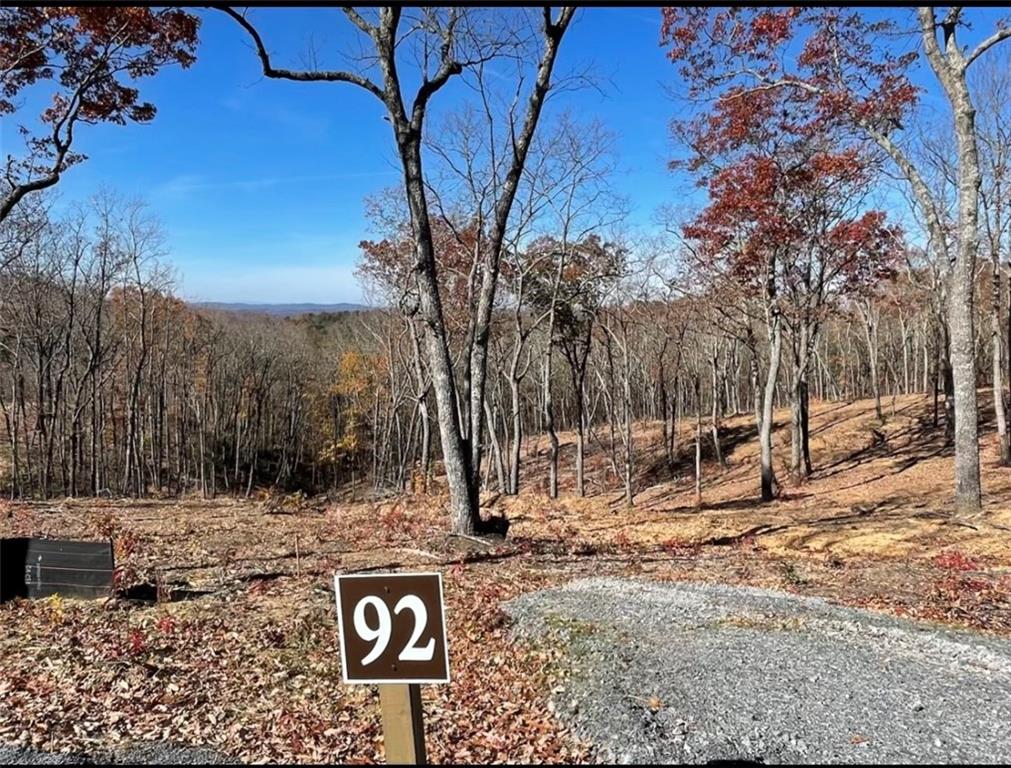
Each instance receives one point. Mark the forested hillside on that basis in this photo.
(834, 257)
(112, 386)
(669, 423)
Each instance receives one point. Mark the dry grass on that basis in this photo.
(876, 490)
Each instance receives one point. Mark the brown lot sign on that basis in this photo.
(392, 628)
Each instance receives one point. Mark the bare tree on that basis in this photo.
(992, 83)
(446, 42)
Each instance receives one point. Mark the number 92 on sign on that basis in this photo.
(392, 628)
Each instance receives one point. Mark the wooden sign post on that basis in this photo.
(403, 723)
(393, 633)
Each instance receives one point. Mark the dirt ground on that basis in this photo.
(224, 630)
(880, 490)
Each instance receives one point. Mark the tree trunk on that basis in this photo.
(580, 438)
(520, 146)
(716, 413)
(517, 438)
(805, 427)
(549, 424)
(949, 66)
(961, 323)
(463, 497)
(871, 337)
(627, 398)
(999, 401)
(698, 446)
(770, 487)
(496, 448)
(797, 468)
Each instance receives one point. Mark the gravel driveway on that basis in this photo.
(139, 754)
(695, 673)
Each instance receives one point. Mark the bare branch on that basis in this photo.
(269, 70)
(1001, 34)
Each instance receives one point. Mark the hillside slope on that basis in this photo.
(222, 633)
(882, 490)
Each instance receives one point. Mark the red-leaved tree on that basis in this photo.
(90, 58)
(788, 229)
(846, 72)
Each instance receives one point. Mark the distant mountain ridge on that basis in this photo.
(279, 309)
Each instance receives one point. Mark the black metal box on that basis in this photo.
(41, 567)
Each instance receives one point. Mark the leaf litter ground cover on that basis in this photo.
(252, 668)
(234, 646)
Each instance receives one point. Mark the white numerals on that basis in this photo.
(380, 634)
(412, 652)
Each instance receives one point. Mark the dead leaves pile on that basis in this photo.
(253, 670)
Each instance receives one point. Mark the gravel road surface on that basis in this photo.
(151, 753)
(697, 673)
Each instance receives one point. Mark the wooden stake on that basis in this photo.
(403, 726)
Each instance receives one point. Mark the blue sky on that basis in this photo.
(260, 183)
